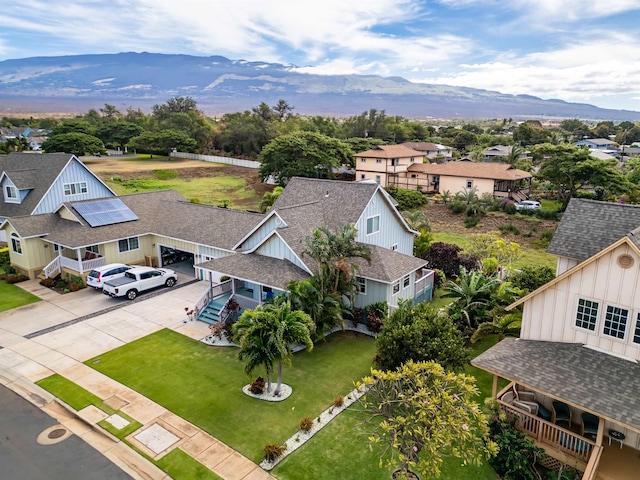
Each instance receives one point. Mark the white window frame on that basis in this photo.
(394, 247)
(361, 282)
(16, 244)
(395, 162)
(378, 179)
(57, 247)
(129, 241)
(75, 188)
(93, 249)
(597, 314)
(11, 194)
(412, 159)
(396, 288)
(635, 333)
(469, 183)
(613, 308)
(363, 160)
(378, 160)
(406, 282)
(374, 230)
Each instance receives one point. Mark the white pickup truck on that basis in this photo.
(139, 279)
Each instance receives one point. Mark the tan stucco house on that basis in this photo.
(385, 162)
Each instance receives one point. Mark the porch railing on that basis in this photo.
(246, 303)
(210, 294)
(550, 434)
(80, 266)
(591, 472)
(423, 288)
(53, 268)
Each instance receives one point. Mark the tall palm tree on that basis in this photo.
(514, 155)
(325, 309)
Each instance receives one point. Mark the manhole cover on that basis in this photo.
(57, 433)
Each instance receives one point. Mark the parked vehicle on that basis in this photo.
(139, 279)
(99, 275)
(528, 205)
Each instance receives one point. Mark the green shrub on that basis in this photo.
(517, 454)
(407, 199)
(489, 265)
(273, 451)
(548, 214)
(470, 222)
(457, 207)
(306, 424)
(531, 277)
(509, 228)
(547, 235)
(195, 200)
(4, 260)
(509, 208)
(165, 174)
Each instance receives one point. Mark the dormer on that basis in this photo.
(13, 191)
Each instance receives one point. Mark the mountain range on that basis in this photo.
(220, 85)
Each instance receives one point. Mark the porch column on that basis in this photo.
(79, 256)
(494, 387)
(600, 435)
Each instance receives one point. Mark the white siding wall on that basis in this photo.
(564, 264)
(551, 315)
(391, 230)
(72, 173)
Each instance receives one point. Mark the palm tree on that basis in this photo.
(417, 220)
(325, 309)
(472, 292)
(505, 325)
(514, 155)
(266, 334)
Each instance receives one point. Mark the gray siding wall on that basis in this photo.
(259, 235)
(72, 173)
(391, 232)
(375, 292)
(275, 247)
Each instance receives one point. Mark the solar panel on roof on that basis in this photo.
(105, 212)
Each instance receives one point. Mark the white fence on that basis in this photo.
(239, 162)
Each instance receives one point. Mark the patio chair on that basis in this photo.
(529, 398)
(560, 412)
(589, 425)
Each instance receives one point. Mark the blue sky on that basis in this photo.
(574, 50)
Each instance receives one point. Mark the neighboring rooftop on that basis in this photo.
(588, 226)
(390, 151)
(495, 171)
(579, 375)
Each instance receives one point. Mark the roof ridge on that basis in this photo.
(311, 202)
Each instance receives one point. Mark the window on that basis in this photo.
(127, 244)
(378, 179)
(469, 183)
(75, 188)
(413, 175)
(93, 249)
(396, 288)
(11, 193)
(412, 159)
(378, 160)
(394, 247)
(362, 285)
(373, 224)
(57, 248)
(395, 162)
(406, 281)
(16, 244)
(636, 334)
(363, 176)
(363, 160)
(615, 321)
(587, 314)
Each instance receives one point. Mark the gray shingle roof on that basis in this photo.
(388, 266)
(594, 381)
(164, 212)
(30, 170)
(270, 271)
(588, 226)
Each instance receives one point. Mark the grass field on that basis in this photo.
(12, 296)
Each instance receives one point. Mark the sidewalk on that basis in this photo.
(29, 353)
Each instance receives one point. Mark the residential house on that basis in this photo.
(260, 253)
(601, 155)
(39, 183)
(384, 162)
(497, 179)
(497, 152)
(597, 143)
(578, 352)
(432, 151)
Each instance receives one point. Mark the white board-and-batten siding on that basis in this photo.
(551, 315)
(74, 172)
(275, 247)
(263, 231)
(392, 231)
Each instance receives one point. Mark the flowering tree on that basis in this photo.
(421, 413)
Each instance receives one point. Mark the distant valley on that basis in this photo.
(220, 85)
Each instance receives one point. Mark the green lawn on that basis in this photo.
(210, 394)
(532, 256)
(12, 296)
(208, 190)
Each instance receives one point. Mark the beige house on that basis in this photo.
(431, 150)
(574, 373)
(385, 162)
(498, 179)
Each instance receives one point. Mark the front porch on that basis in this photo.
(81, 264)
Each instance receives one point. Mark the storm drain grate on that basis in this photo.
(57, 433)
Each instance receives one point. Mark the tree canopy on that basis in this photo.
(303, 154)
(73, 142)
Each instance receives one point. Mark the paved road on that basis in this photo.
(22, 458)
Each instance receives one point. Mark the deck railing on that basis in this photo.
(550, 433)
(591, 472)
(210, 294)
(80, 266)
(52, 269)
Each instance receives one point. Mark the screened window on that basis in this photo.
(373, 224)
(587, 314)
(362, 285)
(16, 244)
(396, 287)
(636, 333)
(615, 321)
(127, 244)
(406, 281)
(11, 192)
(75, 188)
